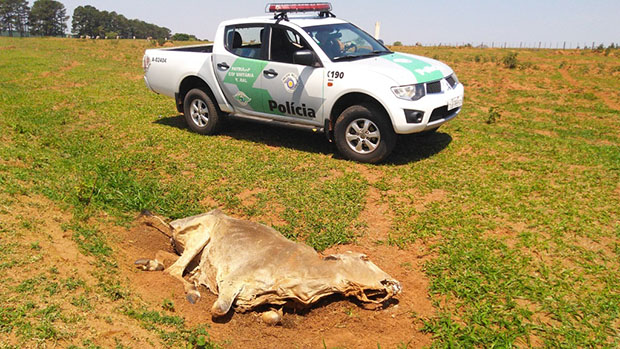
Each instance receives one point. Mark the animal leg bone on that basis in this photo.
(157, 223)
(178, 268)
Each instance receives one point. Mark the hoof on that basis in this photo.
(149, 264)
(219, 309)
(192, 296)
(142, 261)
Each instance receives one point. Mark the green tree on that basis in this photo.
(87, 20)
(184, 37)
(48, 18)
(14, 16)
(398, 43)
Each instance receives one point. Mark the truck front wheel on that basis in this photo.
(365, 134)
(200, 112)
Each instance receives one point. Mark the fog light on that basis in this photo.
(414, 116)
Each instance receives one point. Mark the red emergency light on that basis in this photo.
(299, 7)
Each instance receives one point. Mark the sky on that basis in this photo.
(433, 21)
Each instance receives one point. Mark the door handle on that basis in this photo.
(270, 72)
(223, 65)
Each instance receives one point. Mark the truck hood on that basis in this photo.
(404, 69)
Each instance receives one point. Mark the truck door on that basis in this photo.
(295, 91)
(240, 66)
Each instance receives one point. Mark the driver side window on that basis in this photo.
(284, 44)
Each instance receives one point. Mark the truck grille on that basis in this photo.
(433, 87)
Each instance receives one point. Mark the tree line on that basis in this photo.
(88, 21)
(48, 18)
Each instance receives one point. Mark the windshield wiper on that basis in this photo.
(369, 54)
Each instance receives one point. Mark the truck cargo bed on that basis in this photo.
(201, 48)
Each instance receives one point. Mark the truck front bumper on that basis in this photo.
(432, 107)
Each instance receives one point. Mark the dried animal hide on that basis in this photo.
(249, 264)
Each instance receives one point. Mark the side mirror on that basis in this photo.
(304, 57)
(381, 41)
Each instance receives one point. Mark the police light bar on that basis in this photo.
(299, 7)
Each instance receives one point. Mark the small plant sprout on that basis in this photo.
(493, 115)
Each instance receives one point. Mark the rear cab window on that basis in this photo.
(246, 40)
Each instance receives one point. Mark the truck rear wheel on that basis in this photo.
(200, 112)
(363, 133)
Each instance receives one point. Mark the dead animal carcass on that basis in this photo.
(249, 264)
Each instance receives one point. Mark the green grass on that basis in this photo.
(525, 233)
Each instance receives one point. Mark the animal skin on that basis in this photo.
(249, 264)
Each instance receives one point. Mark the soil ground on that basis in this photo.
(333, 322)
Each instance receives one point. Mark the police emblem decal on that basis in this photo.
(290, 82)
(242, 98)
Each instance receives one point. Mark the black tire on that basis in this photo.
(200, 112)
(363, 133)
(428, 132)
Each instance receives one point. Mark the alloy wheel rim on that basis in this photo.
(363, 136)
(199, 112)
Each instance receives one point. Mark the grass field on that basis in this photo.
(516, 201)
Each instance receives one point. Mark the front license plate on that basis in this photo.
(455, 102)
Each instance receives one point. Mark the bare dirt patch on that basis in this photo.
(436, 195)
(248, 197)
(604, 96)
(546, 133)
(371, 174)
(14, 163)
(71, 65)
(209, 202)
(336, 321)
(46, 230)
(377, 215)
(62, 70)
(464, 150)
(56, 250)
(133, 77)
(507, 236)
(598, 142)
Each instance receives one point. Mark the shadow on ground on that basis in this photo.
(303, 310)
(410, 148)
(414, 147)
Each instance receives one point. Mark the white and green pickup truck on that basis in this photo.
(301, 66)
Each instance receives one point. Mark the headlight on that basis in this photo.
(452, 80)
(409, 92)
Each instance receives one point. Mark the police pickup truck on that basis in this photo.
(301, 66)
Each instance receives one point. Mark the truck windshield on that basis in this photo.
(345, 41)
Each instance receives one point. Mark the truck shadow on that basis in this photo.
(414, 148)
(410, 148)
(270, 135)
